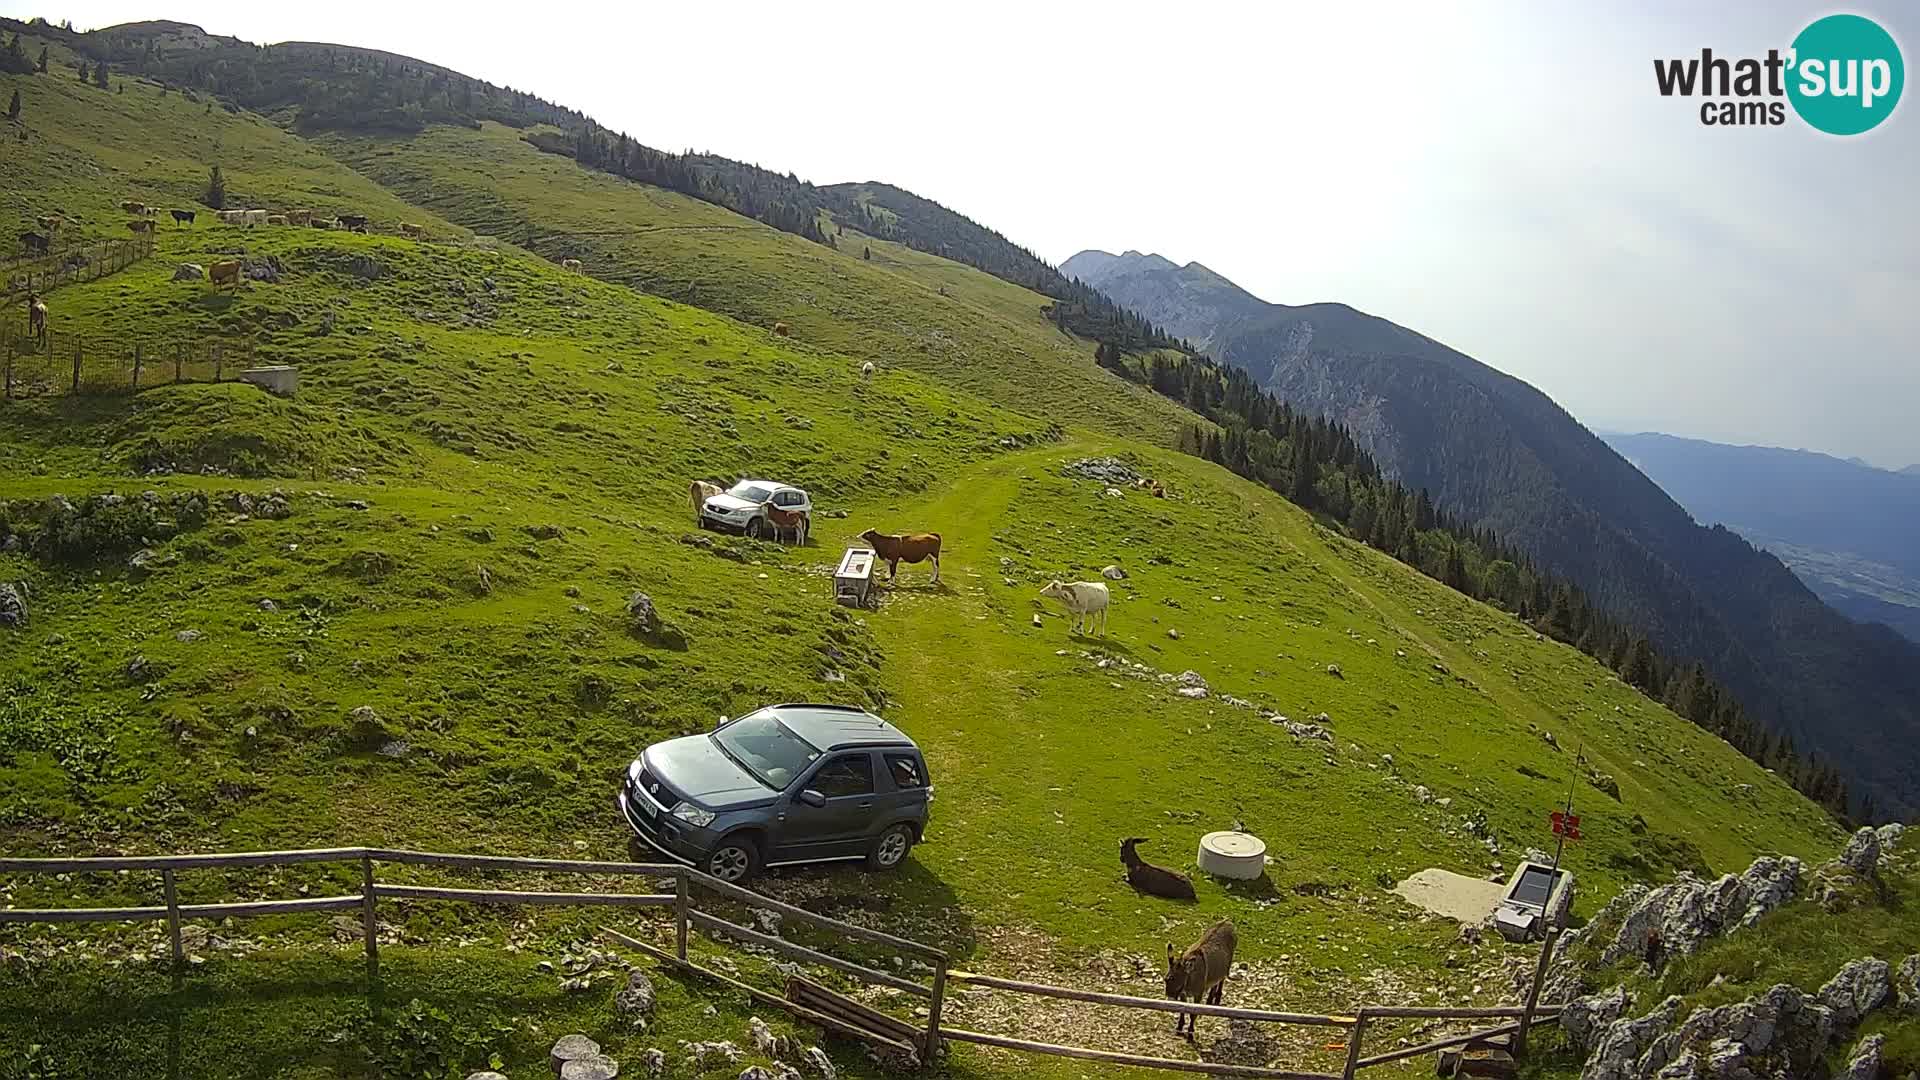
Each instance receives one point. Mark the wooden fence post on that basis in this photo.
(1533, 993)
(933, 1012)
(681, 913)
(9, 384)
(1353, 1043)
(219, 361)
(173, 924)
(136, 365)
(367, 920)
(179, 359)
(76, 365)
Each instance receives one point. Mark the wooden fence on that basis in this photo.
(60, 362)
(64, 266)
(819, 1008)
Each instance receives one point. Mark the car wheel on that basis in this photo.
(735, 861)
(756, 529)
(890, 848)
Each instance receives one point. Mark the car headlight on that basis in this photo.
(633, 770)
(693, 815)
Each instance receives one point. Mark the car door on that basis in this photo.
(843, 826)
(903, 796)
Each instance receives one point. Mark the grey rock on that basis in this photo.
(187, 637)
(654, 1060)
(702, 1055)
(1862, 853)
(1107, 470)
(1334, 670)
(1194, 692)
(13, 604)
(755, 1072)
(486, 1076)
(1857, 989)
(815, 1062)
(1906, 983)
(1617, 1052)
(644, 617)
(1113, 573)
(762, 1037)
(1865, 1063)
(189, 272)
(569, 1048)
(268, 605)
(1890, 835)
(1306, 731)
(1585, 1019)
(635, 1003)
(591, 1067)
(1191, 678)
(1770, 882)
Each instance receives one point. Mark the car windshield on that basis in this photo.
(762, 746)
(751, 492)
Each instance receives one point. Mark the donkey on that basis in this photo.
(1200, 972)
(1150, 879)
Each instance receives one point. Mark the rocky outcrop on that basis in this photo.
(1906, 984)
(1864, 1063)
(1615, 1054)
(1858, 989)
(1688, 911)
(1862, 854)
(1585, 1018)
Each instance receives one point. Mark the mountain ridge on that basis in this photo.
(1500, 453)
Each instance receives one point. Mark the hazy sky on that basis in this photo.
(1504, 178)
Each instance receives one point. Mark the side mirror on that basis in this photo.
(812, 798)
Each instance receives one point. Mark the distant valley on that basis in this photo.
(1850, 531)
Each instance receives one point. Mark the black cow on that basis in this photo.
(182, 217)
(33, 241)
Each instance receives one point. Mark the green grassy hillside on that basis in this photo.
(80, 151)
(422, 640)
(898, 309)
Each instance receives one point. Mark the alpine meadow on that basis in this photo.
(438, 593)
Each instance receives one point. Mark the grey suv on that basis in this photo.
(786, 784)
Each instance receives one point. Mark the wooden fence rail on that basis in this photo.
(687, 916)
(67, 265)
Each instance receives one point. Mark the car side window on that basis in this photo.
(848, 774)
(905, 770)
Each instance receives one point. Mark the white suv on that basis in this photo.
(743, 508)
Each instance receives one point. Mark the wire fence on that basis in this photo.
(41, 272)
(61, 362)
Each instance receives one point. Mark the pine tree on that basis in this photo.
(83, 71)
(43, 60)
(216, 195)
(100, 75)
(13, 109)
(866, 253)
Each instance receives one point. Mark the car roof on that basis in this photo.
(774, 484)
(836, 727)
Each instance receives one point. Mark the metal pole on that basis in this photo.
(933, 1013)
(1533, 994)
(1353, 1044)
(681, 913)
(367, 920)
(173, 924)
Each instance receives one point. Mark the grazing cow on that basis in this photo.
(408, 228)
(232, 217)
(700, 491)
(132, 207)
(1086, 601)
(141, 226)
(351, 222)
(866, 370)
(276, 219)
(255, 217)
(37, 318)
(1200, 972)
(1150, 879)
(52, 223)
(33, 241)
(225, 272)
(896, 548)
(182, 217)
(299, 217)
(782, 329)
(321, 223)
(570, 264)
(794, 521)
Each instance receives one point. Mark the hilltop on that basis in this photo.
(394, 609)
(1499, 454)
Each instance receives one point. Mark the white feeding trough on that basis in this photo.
(853, 579)
(1237, 855)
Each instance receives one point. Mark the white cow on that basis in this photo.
(1086, 601)
(256, 217)
(699, 492)
(866, 370)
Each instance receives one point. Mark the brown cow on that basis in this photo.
(37, 317)
(133, 207)
(570, 264)
(351, 222)
(276, 219)
(227, 271)
(141, 226)
(299, 217)
(408, 228)
(784, 521)
(895, 548)
(782, 329)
